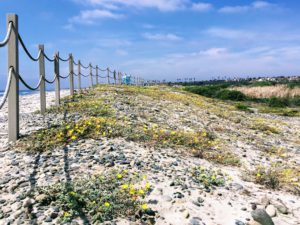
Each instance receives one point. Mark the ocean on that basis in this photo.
(22, 92)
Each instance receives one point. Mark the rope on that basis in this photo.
(50, 82)
(3, 100)
(76, 64)
(7, 37)
(102, 69)
(28, 86)
(85, 67)
(65, 76)
(75, 74)
(64, 60)
(84, 75)
(27, 51)
(50, 60)
(103, 77)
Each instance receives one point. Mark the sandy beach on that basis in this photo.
(29, 104)
(175, 197)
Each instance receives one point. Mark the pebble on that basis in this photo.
(262, 217)
(271, 210)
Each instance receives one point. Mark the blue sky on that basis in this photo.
(161, 39)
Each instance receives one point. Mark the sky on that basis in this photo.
(160, 39)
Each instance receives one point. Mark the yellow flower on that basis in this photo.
(106, 204)
(144, 177)
(173, 132)
(73, 138)
(66, 214)
(125, 171)
(119, 176)
(213, 177)
(144, 206)
(141, 192)
(258, 175)
(124, 186)
(72, 193)
(131, 191)
(104, 133)
(147, 186)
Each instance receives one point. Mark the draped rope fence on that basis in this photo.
(11, 93)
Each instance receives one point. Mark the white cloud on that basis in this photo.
(121, 52)
(90, 16)
(163, 5)
(162, 37)
(216, 61)
(202, 7)
(256, 5)
(230, 33)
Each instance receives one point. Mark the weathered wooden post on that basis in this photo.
(42, 76)
(13, 95)
(115, 77)
(71, 71)
(79, 78)
(108, 81)
(91, 74)
(57, 80)
(97, 74)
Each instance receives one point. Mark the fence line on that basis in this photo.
(12, 40)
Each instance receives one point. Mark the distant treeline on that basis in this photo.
(254, 82)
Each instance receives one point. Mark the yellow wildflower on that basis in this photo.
(131, 191)
(119, 176)
(258, 175)
(144, 206)
(66, 214)
(147, 186)
(73, 138)
(141, 192)
(106, 204)
(124, 186)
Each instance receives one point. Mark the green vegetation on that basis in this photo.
(221, 91)
(217, 91)
(243, 107)
(276, 176)
(101, 198)
(209, 177)
(94, 118)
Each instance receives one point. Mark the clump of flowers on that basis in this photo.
(209, 177)
(171, 138)
(276, 176)
(102, 197)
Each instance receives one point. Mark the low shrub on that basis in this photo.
(100, 198)
(278, 102)
(209, 177)
(242, 107)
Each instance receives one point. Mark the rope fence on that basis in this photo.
(12, 40)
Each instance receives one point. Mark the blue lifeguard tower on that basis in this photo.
(126, 79)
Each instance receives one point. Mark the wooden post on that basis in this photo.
(71, 71)
(97, 74)
(79, 78)
(57, 82)
(13, 95)
(91, 74)
(42, 75)
(115, 77)
(108, 81)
